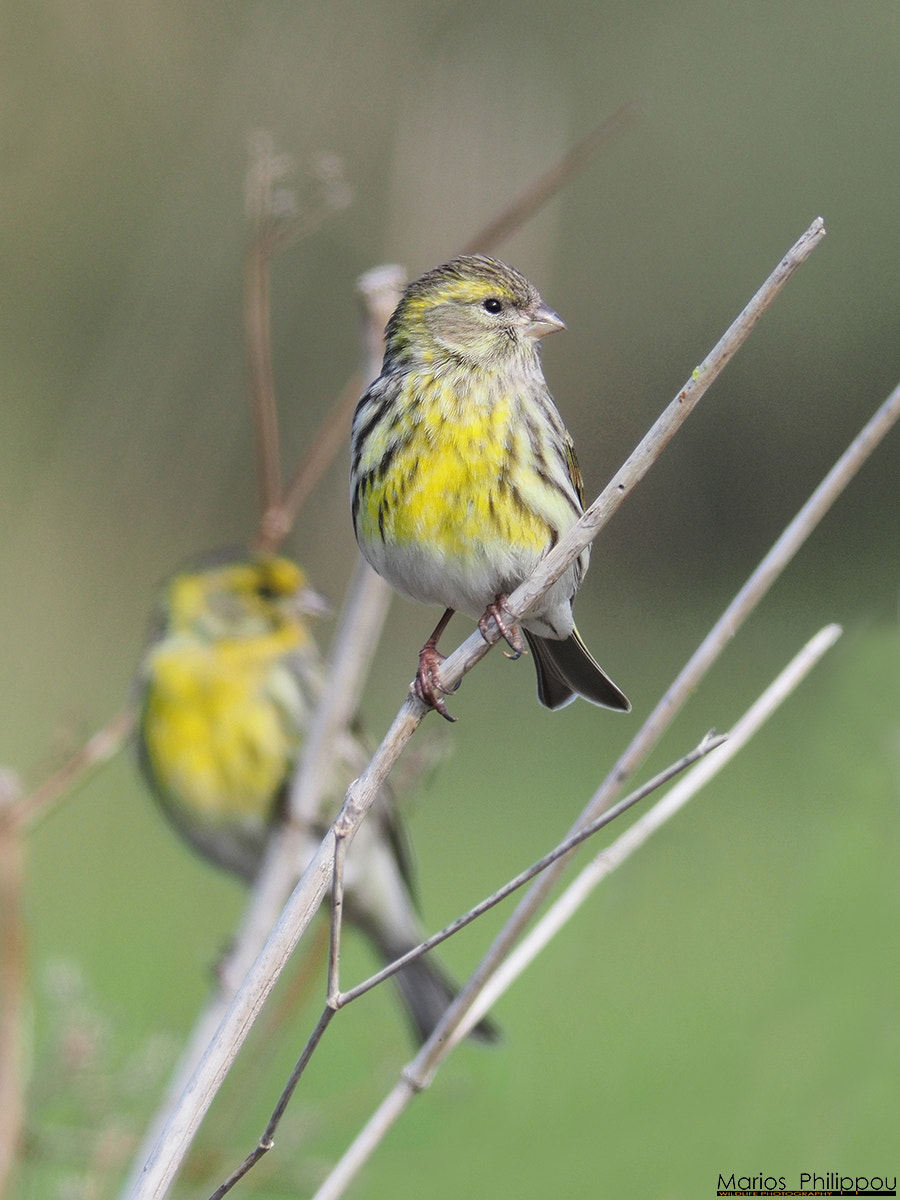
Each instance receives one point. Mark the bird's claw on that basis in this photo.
(426, 684)
(510, 632)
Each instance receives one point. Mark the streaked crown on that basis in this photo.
(473, 308)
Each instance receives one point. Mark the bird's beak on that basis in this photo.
(308, 603)
(543, 321)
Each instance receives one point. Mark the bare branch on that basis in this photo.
(97, 750)
(572, 842)
(412, 1080)
(554, 564)
(337, 999)
(541, 190)
(639, 833)
(13, 980)
(169, 1151)
(266, 170)
(674, 699)
(331, 435)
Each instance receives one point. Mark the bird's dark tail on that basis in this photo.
(566, 669)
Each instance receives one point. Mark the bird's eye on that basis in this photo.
(265, 591)
(493, 305)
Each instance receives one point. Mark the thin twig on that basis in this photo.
(380, 290)
(546, 186)
(411, 1081)
(266, 1142)
(640, 832)
(266, 169)
(13, 981)
(570, 843)
(169, 1151)
(278, 520)
(338, 999)
(96, 751)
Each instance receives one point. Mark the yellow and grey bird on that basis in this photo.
(463, 474)
(228, 683)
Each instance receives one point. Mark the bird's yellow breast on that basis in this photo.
(217, 734)
(459, 479)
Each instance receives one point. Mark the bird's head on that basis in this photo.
(473, 309)
(240, 600)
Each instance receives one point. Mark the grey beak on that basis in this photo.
(543, 321)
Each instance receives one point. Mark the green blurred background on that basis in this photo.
(728, 1003)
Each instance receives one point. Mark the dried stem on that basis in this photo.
(671, 703)
(338, 999)
(13, 980)
(635, 837)
(265, 171)
(554, 564)
(412, 1080)
(546, 186)
(706, 746)
(185, 1118)
(331, 436)
(97, 750)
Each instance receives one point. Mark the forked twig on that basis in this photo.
(169, 1151)
(411, 1081)
(337, 999)
(639, 833)
(566, 846)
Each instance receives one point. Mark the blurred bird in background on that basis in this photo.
(228, 684)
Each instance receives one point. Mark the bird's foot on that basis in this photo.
(510, 632)
(426, 684)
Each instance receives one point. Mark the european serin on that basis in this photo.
(463, 475)
(228, 684)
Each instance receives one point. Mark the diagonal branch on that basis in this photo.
(541, 190)
(410, 1084)
(169, 1151)
(640, 832)
(746, 600)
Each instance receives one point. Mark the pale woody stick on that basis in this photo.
(471, 1004)
(674, 800)
(164, 1161)
(355, 642)
(688, 679)
(571, 900)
